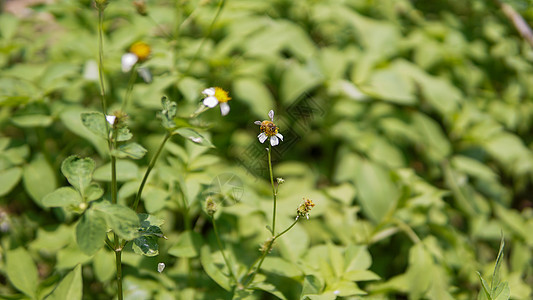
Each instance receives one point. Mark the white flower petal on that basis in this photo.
(210, 101)
(274, 141)
(110, 119)
(257, 122)
(128, 61)
(145, 74)
(209, 92)
(271, 115)
(280, 136)
(262, 137)
(224, 108)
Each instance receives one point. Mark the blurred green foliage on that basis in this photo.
(408, 123)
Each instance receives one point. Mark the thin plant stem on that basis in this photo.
(118, 262)
(150, 167)
(263, 256)
(221, 4)
(221, 248)
(101, 57)
(274, 192)
(129, 89)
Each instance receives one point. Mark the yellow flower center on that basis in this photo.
(221, 95)
(141, 49)
(269, 128)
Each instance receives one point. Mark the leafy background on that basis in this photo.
(417, 150)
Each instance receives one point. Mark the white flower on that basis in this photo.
(269, 130)
(111, 119)
(128, 61)
(214, 96)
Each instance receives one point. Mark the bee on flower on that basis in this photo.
(269, 130)
(138, 52)
(214, 96)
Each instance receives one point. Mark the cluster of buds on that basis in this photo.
(304, 208)
(211, 206)
(267, 245)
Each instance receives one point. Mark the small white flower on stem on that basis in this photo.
(214, 96)
(269, 130)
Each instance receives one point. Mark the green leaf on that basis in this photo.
(78, 171)
(126, 170)
(146, 245)
(210, 267)
(168, 113)
(154, 199)
(39, 179)
(62, 197)
(150, 226)
(132, 150)
(485, 287)
(93, 192)
(123, 133)
(32, 120)
(377, 193)
(96, 122)
(121, 219)
(22, 272)
(102, 261)
(312, 285)
(188, 245)
(91, 231)
(255, 94)
(193, 136)
(9, 179)
(71, 287)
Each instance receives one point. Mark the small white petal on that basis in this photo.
(160, 267)
(280, 136)
(145, 74)
(210, 101)
(274, 141)
(110, 119)
(224, 108)
(257, 122)
(128, 61)
(271, 115)
(262, 137)
(209, 92)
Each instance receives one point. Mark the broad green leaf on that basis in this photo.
(93, 192)
(267, 286)
(435, 143)
(154, 199)
(297, 80)
(121, 219)
(9, 179)
(91, 231)
(78, 171)
(146, 245)
(211, 267)
(33, 120)
(22, 271)
(126, 170)
(390, 86)
(62, 197)
(345, 288)
(102, 261)
(71, 287)
(312, 285)
(188, 245)
(132, 150)
(39, 179)
(357, 258)
(96, 123)
(193, 136)
(255, 94)
(150, 226)
(8, 26)
(420, 271)
(377, 194)
(190, 87)
(123, 134)
(72, 121)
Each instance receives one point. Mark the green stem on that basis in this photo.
(118, 263)
(263, 256)
(101, 57)
(221, 248)
(221, 4)
(274, 192)
(150, 167)
(129, 89)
